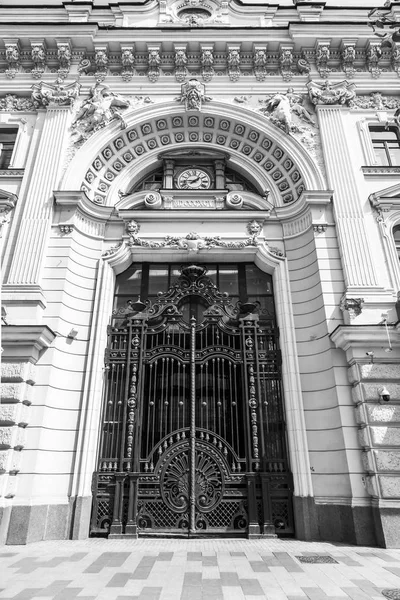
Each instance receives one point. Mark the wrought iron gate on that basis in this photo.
(193, 437)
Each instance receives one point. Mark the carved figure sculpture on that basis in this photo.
(348, 58)
(193, 94)
(286, 61)
(98, 110)
(180, 65)
(127, 61)
(64, 56)
(374, 55)
(260, 64)
(323, 55)
(39, 60)
(12, 58)
(234, 64)
(207, 62)
(279, 105)
(101, 60)
(283, 106)
(154, 61)
(296, 105)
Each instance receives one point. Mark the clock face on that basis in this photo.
(194, 179)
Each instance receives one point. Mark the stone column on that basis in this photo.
(23, 281)
(357, 261)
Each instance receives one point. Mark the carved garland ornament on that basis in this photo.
(193, 242)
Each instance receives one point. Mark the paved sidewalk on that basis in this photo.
(159, 569)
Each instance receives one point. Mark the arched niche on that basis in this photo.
(113, 159)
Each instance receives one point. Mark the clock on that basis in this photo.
(194, 179)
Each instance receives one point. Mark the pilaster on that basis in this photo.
(23, 283)
(356, 256)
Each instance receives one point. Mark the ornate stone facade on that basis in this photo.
(212, 133)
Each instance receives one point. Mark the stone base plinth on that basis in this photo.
(387, 526)
(334, 522)
(36, 523)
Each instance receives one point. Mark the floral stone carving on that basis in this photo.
(193, 242)
(102, 107)
(193, 94)
(44, 94)
(12, 103)
(327, 93)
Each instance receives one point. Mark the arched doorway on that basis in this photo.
(193, 435)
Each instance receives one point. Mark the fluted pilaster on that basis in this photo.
(357, 261)
(35, 223)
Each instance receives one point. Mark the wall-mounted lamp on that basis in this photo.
(384, 395)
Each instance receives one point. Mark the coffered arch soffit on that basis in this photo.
(114, 159)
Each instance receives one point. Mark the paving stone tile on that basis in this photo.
(259, 567)
(271, 561)
(348, 561)
(210, 561)
(165, 556)
(144, 568)
(394, 570)
(229, 578)
(355, 593)
(287, 561)
(194, 556)
(150, 593)
(314, 593)
(53, 588)
(192, 580)
(212, 589)
(119, 580)
(251, 587)
(67, 593)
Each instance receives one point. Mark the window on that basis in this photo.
(396, 235)
(7, 142)
(386, 144)
(244, 282)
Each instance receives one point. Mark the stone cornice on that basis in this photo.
(25, 342)
(357, 340)
(300, 36)
(78, 200)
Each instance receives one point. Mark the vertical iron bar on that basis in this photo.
(193, 425)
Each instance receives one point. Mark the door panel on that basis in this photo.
(193, 439)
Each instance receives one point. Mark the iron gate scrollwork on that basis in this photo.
(193, 438)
